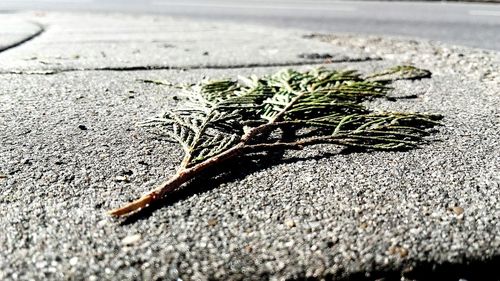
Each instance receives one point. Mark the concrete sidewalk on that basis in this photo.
(128, 42)
(69, 99)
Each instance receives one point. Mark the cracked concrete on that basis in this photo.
(114, 42)
(16, 32)
(192, 67)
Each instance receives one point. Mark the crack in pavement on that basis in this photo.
(191, 67)
(41, 30)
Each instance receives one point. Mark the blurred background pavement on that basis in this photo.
(468, 24)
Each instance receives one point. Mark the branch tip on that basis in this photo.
(133, 206)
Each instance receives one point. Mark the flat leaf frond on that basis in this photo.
(211, 146)
(386, 130)
(218, 113)
(217, 91)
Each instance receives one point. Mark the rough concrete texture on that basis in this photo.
(69, 151)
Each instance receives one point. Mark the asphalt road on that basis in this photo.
(475, 25)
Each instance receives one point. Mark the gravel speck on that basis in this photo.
(290, 223)
(122, 178)
(73, 261)
(212, 222)
(132, 239)
(457, 210)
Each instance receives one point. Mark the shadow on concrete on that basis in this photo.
(487, 269)
(215, 176)
(225, 173)
(467, 270)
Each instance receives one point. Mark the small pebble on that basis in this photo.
(73, 261)
(82, 127)
(132, 239)
(212, 222)
(402, 252)
(290, 223)
(121, 178)
(457, 210)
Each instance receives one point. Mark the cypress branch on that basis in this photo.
(224, 119)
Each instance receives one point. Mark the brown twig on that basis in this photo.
(174, 183)
(186, 174)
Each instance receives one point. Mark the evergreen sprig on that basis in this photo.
(220, 120)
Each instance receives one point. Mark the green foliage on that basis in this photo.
(220, 120)
(318, 106)
(400, 72)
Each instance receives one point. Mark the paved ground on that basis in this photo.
(67, 131)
